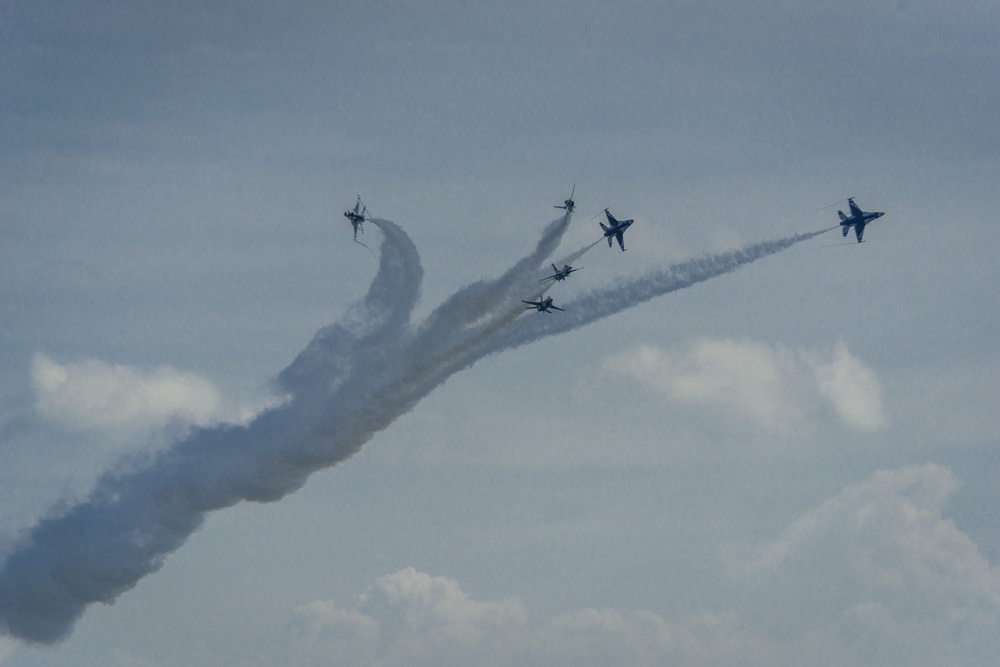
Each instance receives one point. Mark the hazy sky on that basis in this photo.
(790, 463)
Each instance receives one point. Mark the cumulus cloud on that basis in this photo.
(875, 575)
(774, 387)
(878, 568)
(322, 628)
(411, 618)
(124, 401)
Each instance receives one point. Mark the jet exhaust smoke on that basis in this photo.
(353, 380)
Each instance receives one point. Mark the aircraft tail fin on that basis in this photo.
(842, 216)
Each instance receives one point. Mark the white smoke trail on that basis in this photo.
(608, 301)
(102, 547)
(573, 256)
(354, 379)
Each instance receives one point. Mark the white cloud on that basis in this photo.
(123, 401)
(852, 387)
(875, 575)
(880, 568)
(321, 627)
(412, 618)
(408, 618)
(437, 602)
(777, 388)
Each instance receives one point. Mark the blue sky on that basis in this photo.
(794, 461)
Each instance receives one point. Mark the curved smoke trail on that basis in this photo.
(353, 379)
(132, 520)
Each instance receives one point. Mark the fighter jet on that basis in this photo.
(542, 306)
(858, 219)
(616, 230)
(569, 204)
(560, 274)
(357, 216)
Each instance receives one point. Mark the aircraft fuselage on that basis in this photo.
(858, 219)
(615, 229)
(543, 306)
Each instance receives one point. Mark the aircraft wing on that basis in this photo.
(855, 209)
(621, 240)
(859, 230)
(611, 218)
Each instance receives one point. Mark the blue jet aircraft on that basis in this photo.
(357, 216)
(560, 274)
(542, 306)
(569, 204)
(858, 219)
(616, 230)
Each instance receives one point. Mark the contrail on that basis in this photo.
(610, 300)
(353, 380)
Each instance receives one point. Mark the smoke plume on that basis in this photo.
(353, 380)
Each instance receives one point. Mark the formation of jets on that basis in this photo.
(615, 231)
(858, 219)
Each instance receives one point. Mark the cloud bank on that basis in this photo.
(875, 575)
(354, 379)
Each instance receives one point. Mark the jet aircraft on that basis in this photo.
(858, 219)
(560, 274)
(569, 204)
(616, 230)
(542, 306)
(357, 216)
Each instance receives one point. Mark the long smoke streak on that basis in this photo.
(353, 379)
(610, 300)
